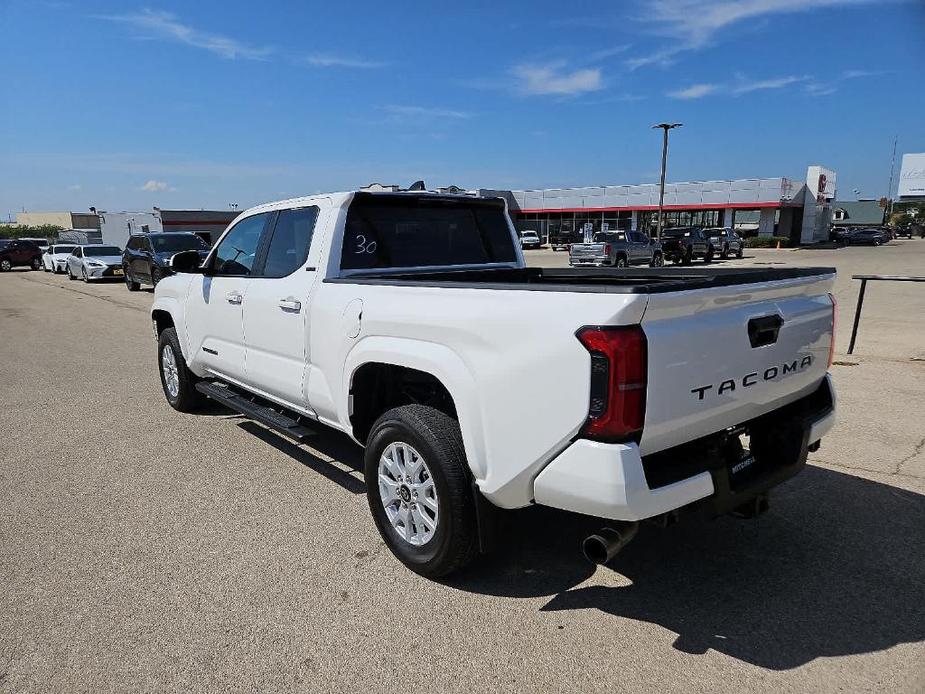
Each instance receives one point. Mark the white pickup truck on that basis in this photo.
(409, 321)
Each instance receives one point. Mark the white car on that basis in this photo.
(94, 262)
(54, 259)
(410, 321)
(530, 239)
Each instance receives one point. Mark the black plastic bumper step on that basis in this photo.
(262, 414)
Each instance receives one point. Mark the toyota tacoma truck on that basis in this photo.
(410, 322)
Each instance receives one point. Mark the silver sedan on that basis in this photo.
(94, 262)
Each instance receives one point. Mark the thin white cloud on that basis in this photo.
(695, 91)
(404, 111)
(745, 87)
(74, 187)
(605, 53)
(153, 186)
(331, 60)
(554, 79)
(164, 26)
(694, 24)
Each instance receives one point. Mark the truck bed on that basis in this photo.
(599, 280)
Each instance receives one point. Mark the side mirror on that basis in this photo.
(186, 261)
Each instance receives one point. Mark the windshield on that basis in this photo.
(174, 243)
(676, 233)
(392, 231)
(61, 249)
(101, 251)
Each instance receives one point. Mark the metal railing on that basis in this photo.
(864, 280)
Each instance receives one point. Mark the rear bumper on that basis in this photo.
(611, 481)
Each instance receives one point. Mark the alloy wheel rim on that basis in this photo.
(6, 265)
(170, 371)
(408, 494)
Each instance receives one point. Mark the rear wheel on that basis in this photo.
(156, 276)
(83, 275)
(419, 489)
(621, 261)
(70, 275)
(740, 252)
(657, 260)
(5, 265)
(36, 264)
(708, 258)
(724, 254)
(178, 382)
(688, 257)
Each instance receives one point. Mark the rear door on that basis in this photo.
(720, 357)
(276, 310)
(214, 305)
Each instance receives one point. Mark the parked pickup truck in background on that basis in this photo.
(410, 322)
(617, 249)
(725, 241)
(684, 244)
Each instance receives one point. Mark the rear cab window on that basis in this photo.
(406, 231)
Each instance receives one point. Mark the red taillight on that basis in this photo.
(617, 406)
(834, 323)
(607, 249)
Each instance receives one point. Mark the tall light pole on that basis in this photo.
(661, 188)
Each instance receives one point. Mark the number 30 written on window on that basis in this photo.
(364, 247)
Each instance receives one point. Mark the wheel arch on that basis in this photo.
(376, 361)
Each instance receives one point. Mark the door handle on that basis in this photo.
(234, 298)
(290, 304)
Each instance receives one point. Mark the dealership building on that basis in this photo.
(799, 210)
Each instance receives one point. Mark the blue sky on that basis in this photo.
(179, 104)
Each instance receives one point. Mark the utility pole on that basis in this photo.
(661, 189)
(889, 191)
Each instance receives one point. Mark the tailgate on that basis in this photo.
(587, 251)
(714, 360)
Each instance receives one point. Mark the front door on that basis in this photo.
(215, 303)
(276, 310)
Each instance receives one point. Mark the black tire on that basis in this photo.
(36, 264)
(83, 275)
(5, 265)
(187, 399)
(621, 261)
(156, 276)
(711, 252)
(877, 242)
(437, 438)
(688, 257)
(70, 275)
(657, 260)
(740, 252)
(132, 285)
(724, 254)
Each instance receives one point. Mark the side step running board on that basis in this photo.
(261, 414)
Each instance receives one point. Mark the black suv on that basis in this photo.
(20, 253)
(147, 256)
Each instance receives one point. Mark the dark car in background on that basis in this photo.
(20, 253)
(147, 256)
(684, 244)
(725, 241)
(870, 237)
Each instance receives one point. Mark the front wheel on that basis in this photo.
(724, 254)
(740, 252)
(419, 490)
(70, 275)
(132, 285)
(83, 274)
(5, 265)
(156, 276)
(178, 382)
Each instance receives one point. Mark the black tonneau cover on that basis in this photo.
(617, 281)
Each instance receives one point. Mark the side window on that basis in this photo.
(236, 253)
(288, 248)
(78, 252)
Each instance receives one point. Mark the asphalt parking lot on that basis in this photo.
(146, 550)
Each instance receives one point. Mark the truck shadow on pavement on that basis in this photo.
(836, 567)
